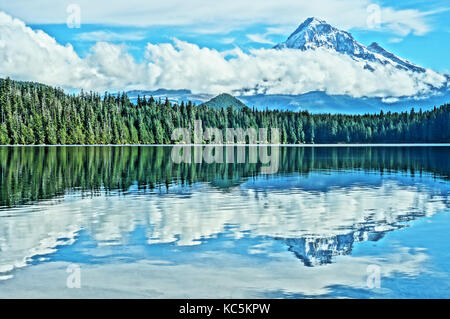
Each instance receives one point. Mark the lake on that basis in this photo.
(127, 221)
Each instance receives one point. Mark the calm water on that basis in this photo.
(138, 225)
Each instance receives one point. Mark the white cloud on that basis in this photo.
(259, 38)
(97, 36)
(404, 22)
(227, 40)
(222, 14)
(33, 55)
(395, 40)
(114, 67)
(390, 100)
(278, 30)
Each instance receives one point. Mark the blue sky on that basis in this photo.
(429, 50)
(415, 30)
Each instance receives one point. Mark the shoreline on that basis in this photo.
(237, 144)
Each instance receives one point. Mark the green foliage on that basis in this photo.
(32, 113)
(4, 138)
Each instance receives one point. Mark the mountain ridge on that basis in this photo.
(315, 33)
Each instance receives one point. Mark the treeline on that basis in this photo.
(32, 113)
(28, 174)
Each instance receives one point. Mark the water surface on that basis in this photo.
(140, 226)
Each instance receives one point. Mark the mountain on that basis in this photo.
(321, 102)
(314, 101)
(223, 101)
(314, 33)
(376, 48)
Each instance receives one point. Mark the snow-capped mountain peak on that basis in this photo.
(315, 33)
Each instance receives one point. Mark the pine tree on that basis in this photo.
(4, 138)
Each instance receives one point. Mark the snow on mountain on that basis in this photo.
(314, 33)
(376, 48)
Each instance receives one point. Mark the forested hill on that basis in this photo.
(223, 101)
(31, 113)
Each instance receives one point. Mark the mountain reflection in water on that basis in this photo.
(319, 205)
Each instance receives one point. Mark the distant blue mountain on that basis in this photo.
(314, 102)
(320, 102)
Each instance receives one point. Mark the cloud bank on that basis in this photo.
(26, 54)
